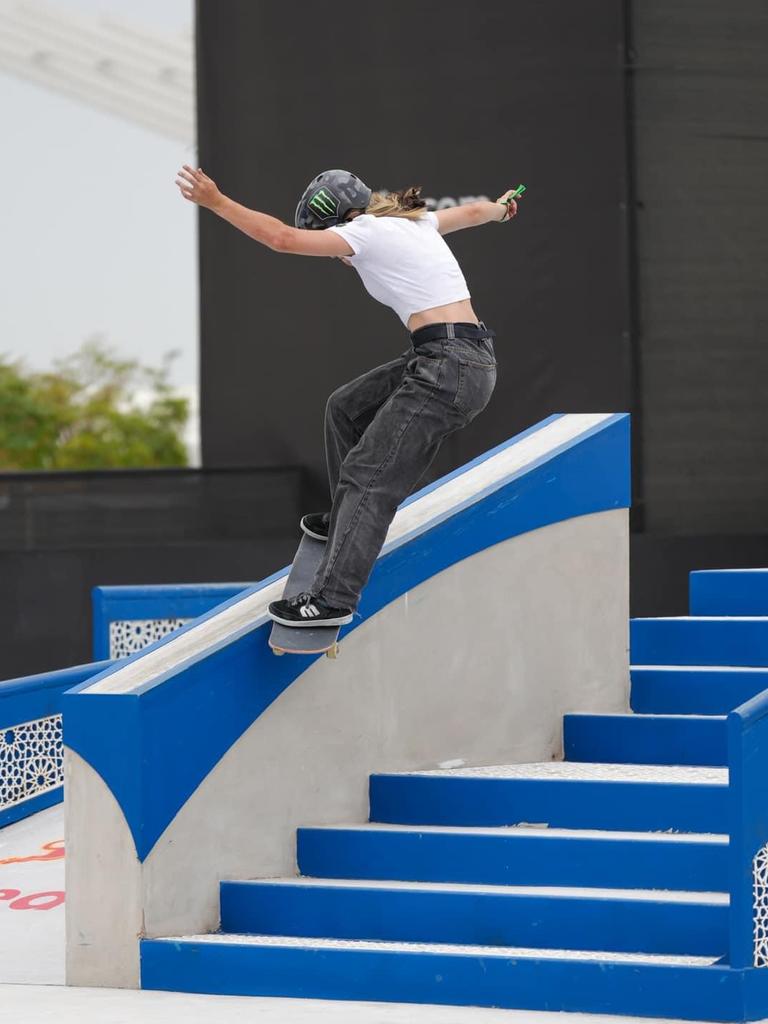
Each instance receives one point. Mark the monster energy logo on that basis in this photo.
(323, 203)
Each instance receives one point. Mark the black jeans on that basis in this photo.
(382, 432)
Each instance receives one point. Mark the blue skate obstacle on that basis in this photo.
(125, 620)
(480, 803)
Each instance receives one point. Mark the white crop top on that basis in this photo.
(404, 263)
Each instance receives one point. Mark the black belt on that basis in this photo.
(435, 332)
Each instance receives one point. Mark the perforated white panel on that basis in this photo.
(128, 636)
(231, 939)
(31, 760)
(760, 906)
(593, 772)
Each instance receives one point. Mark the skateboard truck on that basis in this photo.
(330, 652)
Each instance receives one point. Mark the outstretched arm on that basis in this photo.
(198, 188)
(471, 215)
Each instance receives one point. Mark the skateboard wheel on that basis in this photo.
(332, 652)
(279, 654)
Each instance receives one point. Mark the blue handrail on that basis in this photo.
(747, 728)
(31, 750)
(163, 605)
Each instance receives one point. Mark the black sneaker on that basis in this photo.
(316, 525)
(308, 610)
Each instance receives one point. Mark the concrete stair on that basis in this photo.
(595, 884)
(539, 915)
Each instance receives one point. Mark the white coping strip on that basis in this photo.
(237, 620)
(642, 716)
(735, 571)
(546, 891)
(700, 668)
(704, 618)
(540, 831)
(507, 952)
(510, 460)
(583, 771)
(249, 613)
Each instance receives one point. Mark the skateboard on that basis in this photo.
(304, 640)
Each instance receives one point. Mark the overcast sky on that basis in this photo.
(95, 238)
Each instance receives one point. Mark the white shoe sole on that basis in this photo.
(342, 620)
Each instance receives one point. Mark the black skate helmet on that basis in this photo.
(328, 199)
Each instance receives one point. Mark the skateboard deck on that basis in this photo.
(304, 639)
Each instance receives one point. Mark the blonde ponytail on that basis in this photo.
(406, 202)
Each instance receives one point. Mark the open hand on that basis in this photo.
(196, 186)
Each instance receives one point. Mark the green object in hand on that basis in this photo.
(505, 202)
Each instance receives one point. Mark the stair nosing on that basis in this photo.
(436, 948)
(643, 715)
(520, 831)
(640, 895)
(701, 618)
(701, 668)
(579, 771)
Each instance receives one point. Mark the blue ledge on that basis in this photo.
(682, 690)
(28, 699)
(29, 807)
(645, 739)
(135, 739)
(729, 592)
(680, 992)
(39, 696)
(700, 641)
(389, 912)
(578, 804)
(525, 857)
(179, 601)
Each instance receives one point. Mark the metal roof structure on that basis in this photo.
(122, 69)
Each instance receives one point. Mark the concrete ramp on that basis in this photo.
(498, 604)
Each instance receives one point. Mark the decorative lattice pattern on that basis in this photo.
(127, 637)
(760, 906)
(31, 760)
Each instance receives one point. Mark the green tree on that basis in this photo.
(93, 410)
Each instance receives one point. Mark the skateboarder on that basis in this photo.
(383, 429)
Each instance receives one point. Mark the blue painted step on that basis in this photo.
(477, 915)
(699, 641)
(645, 739)
(461, 976)
(571, 799)
(525, 857)
(729, 592)
(685, 690)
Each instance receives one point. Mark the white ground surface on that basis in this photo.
(31, 937)
(39, 1005)
(32, 967)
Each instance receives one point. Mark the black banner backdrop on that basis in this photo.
(467, 100)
